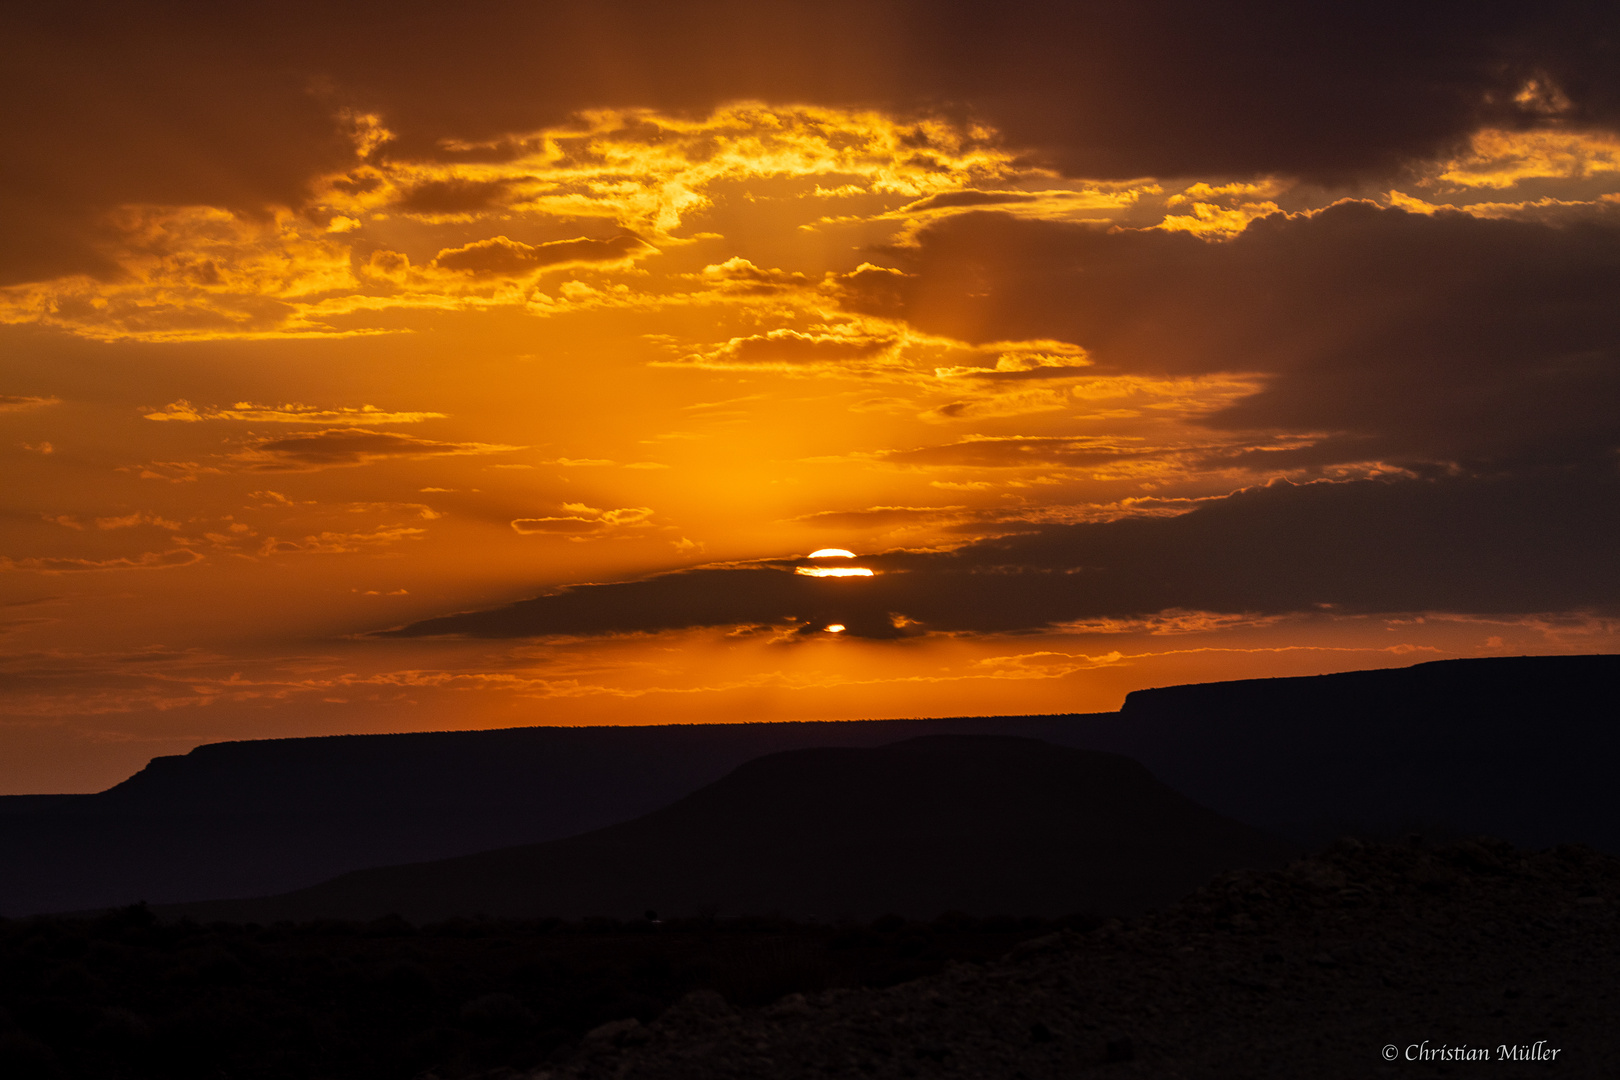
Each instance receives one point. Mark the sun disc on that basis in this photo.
(832, 553)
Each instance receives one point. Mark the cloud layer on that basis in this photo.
(190, 103)
(1404, 337)
(1519, 546)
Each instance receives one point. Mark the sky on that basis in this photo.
(397, 367)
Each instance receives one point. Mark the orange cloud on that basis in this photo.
(1500, 159)
(584, 521)
(150, 560)
(19, 402)
(294, 413)
(339, 543)
(502, 257)
(796, 351)
(349, 446)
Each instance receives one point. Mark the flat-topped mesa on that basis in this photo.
(1520, 747)
(263, 816)
(981, 824)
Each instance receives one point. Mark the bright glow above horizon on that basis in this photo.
(832, 553)
(834, 571)
(836, 628)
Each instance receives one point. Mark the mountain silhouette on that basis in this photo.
(1525, 748)
(264, 816)
(972, 823)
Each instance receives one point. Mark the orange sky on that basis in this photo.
(446, 371)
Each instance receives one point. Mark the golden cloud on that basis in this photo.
(191, 272)
(503, 257)
(582, 521)
(1500, 159)
(738, 275)
(796, 352)
(293, 413)
(202, 272)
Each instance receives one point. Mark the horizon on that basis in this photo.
(759, 723)
(734, 363)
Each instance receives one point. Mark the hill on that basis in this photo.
(264, 816)
(978, 824)
(1524, 748)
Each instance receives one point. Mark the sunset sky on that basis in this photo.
(391, 367)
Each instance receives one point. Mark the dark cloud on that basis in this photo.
(1468, 546)
(1407, 337)
(1018, 451)
(502, 256)
(790, 348)
(454, 196)
(109, 104)
(19, 402)
(63, 564)
(350, 446)
(182, 102)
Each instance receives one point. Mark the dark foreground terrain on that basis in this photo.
(126, 996)
(1309, 971)
(1321, 970)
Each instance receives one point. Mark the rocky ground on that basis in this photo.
(1322, 969)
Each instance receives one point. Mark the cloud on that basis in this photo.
(349, 446)
(453, 196)
(130, 521)
(339, 543)
(564, 526)
(1090, 199)
(501, 257)
(582, 521)
(1501, 159)
(1437, 339)
(19, 402)
(293, 413)
(1059, 361)
(882, 517)
(59, 564)
(1019, 451)
(738, 275)
(956, 200)
(189, 104)
(1459, 545)
(1017, 403)
(797, 352)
